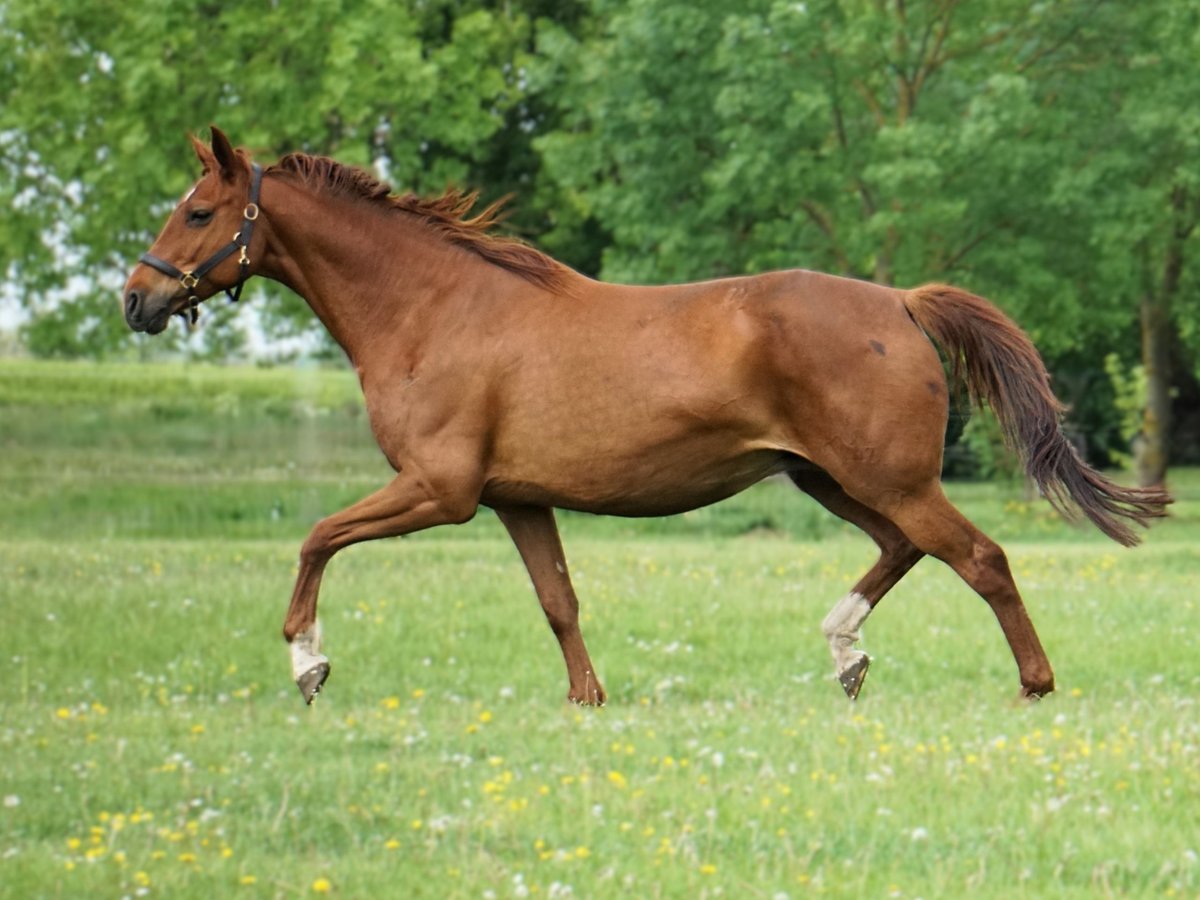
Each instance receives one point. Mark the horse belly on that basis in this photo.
(648, 484)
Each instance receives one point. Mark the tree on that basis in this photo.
(1149, 235)
(101, 96)
(899, 141)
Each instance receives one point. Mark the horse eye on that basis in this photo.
(199, 216)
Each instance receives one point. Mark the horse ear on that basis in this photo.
(203, 154)
(226, 157)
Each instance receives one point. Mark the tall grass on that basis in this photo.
(154, 744)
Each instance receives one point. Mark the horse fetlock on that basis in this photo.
(843, 627)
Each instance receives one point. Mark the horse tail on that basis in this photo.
(999, 364)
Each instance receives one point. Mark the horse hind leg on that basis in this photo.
(897, 554)
(940, 530)
(535, 534)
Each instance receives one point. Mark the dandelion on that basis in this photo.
(321, 886)
(187, 857)
(248, 879)
(617, 780)
(708, 869)
(392, 844)
(582, 852)
(141, 879)
(390, 702)
(485, 716)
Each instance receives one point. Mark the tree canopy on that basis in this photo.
(1042, 154)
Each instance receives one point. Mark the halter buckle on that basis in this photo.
(188, 280)
(250, 213)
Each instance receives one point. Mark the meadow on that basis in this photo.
(154, 745)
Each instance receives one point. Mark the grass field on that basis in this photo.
(154, 744)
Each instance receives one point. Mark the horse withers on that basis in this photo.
(495, 376)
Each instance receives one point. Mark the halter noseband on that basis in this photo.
(241, 241)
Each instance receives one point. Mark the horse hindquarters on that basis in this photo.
(880, 439)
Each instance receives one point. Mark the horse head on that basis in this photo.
(194, 255)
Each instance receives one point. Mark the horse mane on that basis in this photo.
(447, 216)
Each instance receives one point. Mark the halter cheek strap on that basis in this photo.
(239, 244)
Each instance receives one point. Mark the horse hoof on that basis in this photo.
(311, 681)
(852, 678)
(1035, 690)
(593, 697)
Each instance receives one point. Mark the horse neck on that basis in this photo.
(367, 273)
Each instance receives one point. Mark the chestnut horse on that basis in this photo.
(495, 376)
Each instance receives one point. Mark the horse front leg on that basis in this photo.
(409, 503)
(535, 533)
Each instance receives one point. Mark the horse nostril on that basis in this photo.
(133, 302)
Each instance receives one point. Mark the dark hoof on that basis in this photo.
(310, 682)
(852, 679)
(1037, 688)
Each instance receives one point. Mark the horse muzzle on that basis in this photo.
(146, 311)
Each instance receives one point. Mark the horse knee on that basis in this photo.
(991, 571)
(317, 547)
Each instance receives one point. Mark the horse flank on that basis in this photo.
(448, 216)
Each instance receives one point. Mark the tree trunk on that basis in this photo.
(1152, 456)
(1151, 447)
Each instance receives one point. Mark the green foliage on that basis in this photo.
(984, 437)
(100, 98)
(1129, 388)
(1041, 154)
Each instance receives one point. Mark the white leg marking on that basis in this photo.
(843, 627)
(306, 647)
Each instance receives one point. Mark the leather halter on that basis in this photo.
(240, 242)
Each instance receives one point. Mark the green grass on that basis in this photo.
(153, 741)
